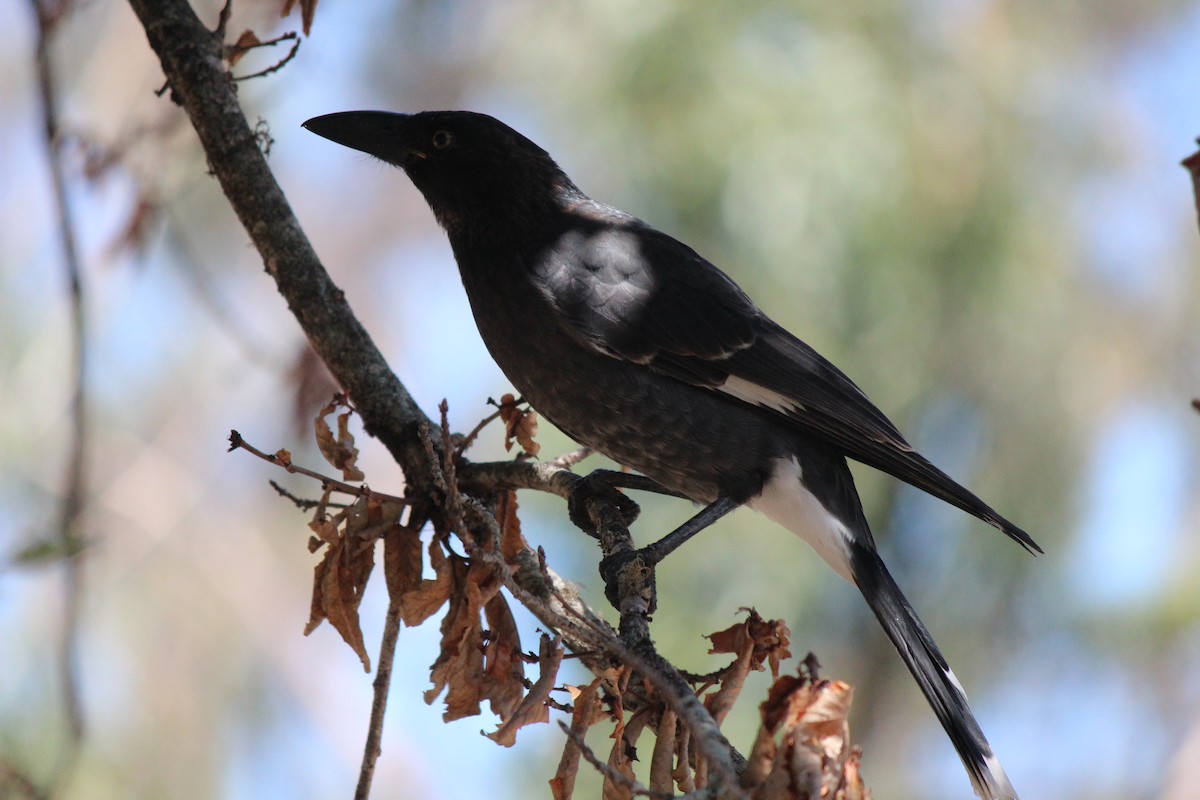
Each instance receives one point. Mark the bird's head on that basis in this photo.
(474, 170)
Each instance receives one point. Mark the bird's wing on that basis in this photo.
(634, 293)
(631, 292)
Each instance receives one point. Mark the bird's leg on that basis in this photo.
(597, 486)
(603, 483)
(712, 512)
(626, 567)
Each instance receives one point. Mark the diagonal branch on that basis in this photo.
(193, 60)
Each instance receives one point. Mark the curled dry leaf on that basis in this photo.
(402, 562)
(502, 663)
(803, 751)
(662, 760)
(854, 788)
(767, 639)
(338, 584)
(341, 577)
(326, 530)
(520, 424)
(339, 451)
(424, 599)
(307, 9)
(512, 542)
(684, 778)
(459, 668)
(753, 642)
(587, 712)
(533, 709)
(244, 44)
(620, 782)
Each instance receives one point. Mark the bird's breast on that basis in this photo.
(689, 439)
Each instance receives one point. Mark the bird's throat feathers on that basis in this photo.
(500, 213)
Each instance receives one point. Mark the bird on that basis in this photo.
(635, 346)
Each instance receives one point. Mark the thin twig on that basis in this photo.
(236, 442)
(470, 438)
(568, 460)
(302, 503)
(279, 64)
(223, 21)
(75, 479)
(381, 687)
(604, 769)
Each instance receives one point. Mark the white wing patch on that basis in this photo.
(786, 500)
(757, 395)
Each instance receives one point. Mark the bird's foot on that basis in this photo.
(596, 493)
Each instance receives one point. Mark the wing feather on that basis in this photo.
(629, 291)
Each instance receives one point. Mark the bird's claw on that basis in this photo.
(596, 487)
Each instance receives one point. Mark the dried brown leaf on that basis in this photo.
(325, 528)
(683, 775)
(459, 668)
(662, 760)
(339, 451)
(338, 583)
(854, 788)
(803, 750)
(520, 424)
(502, 662)
(424, 600)
(316, 610)
(346, 439)
(737, 640)
(587, 712)
(533, 708)
(244, 44)
(753, 642)
(341, 577)
(402, 561)
(308, 8)
(512, 541)
(769, 637)
(824, 723)
(622, 756)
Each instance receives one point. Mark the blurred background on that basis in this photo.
(975, 208)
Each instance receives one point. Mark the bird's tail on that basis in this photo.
(933, 674)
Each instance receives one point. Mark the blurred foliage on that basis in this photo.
(931, 192)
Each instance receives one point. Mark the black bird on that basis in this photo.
(637, 347)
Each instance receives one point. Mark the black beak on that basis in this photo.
(382, 134)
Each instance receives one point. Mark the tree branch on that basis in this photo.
(192, 59)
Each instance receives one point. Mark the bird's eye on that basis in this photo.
(443, 139)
